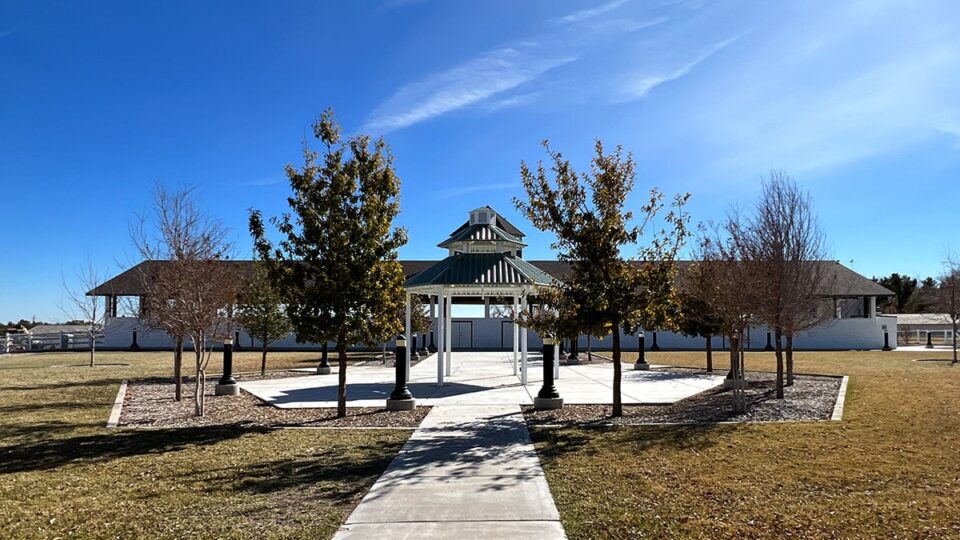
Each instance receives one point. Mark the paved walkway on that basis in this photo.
(468, 472)
(483, 378)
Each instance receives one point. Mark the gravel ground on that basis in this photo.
(811, 397)
(149, 403)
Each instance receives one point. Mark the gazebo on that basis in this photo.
(484, 261)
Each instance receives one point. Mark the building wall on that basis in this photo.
(497, 334)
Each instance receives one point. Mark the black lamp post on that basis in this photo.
(414, 354)
(324, 367)
(769, 346)
(227, 386)
(574, 357)
(929, 344)
(655, 347)
(641, 353)
(548, 397)
(134, 346)
(401, 399)
(886, 341)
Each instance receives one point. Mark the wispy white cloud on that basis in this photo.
(588, 13)
(270, 181)
(452, 193)
(627, 25)
(511, 101)
(390, 5)
(467, 84)
(642, 84)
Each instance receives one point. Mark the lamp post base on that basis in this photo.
(547, 403)
(642, 366)
(729, 384)
(228, 389)
(324, 370)
(573, 361)
(401, 404)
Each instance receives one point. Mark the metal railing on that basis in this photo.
(56, 341)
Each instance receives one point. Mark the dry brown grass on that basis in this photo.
(889, 469)
(63, 474)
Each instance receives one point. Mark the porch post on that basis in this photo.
(441, 351)
(449, 334)
(516, 334)
(523, 345)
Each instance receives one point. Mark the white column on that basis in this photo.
(523, 345)
(449, 333)
(406, 335)
(441, 350)
(433, 321)
(516, 334)
(556, 361)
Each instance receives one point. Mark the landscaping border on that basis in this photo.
(841, 400)
(117, 406)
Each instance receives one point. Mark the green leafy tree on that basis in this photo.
(260, 311)
(698, 319)
(587, 214)
(336, 262)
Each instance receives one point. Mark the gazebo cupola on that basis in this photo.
(485, 232)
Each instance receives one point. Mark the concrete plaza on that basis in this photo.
(482, 378)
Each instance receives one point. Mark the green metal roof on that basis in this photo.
(481, 269)
(481, 231)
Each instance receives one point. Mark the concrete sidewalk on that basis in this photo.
(468, 471)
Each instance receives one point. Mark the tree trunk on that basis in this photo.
(178, 370)
(198, 386)
(617, 398)
(778, 336)
(953, 339)
(710, 354)
(342, 377)
(789, 359)
(93, 348)
(263, 359)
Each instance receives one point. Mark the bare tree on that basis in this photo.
(92, 310)
(949, 298)
(725, 285)
(783, 246)
(188, 292)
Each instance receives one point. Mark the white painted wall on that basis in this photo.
(496, 334)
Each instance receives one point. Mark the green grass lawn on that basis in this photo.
(62, 473)
(891, 468)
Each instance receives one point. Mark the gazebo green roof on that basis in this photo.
(481, 232)
(481, 269)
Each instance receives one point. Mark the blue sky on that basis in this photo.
(859, 101)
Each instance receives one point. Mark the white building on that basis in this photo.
(484, 267)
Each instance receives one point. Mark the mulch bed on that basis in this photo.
(150, 403)
(811, 397)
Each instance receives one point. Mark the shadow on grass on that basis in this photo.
(52, 453)
(340, 476)
(37, 407)
(554, 443)
(62, 385)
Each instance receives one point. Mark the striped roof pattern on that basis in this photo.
(481, 269)
(482, 232)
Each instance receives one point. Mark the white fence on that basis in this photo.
(57, 341)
